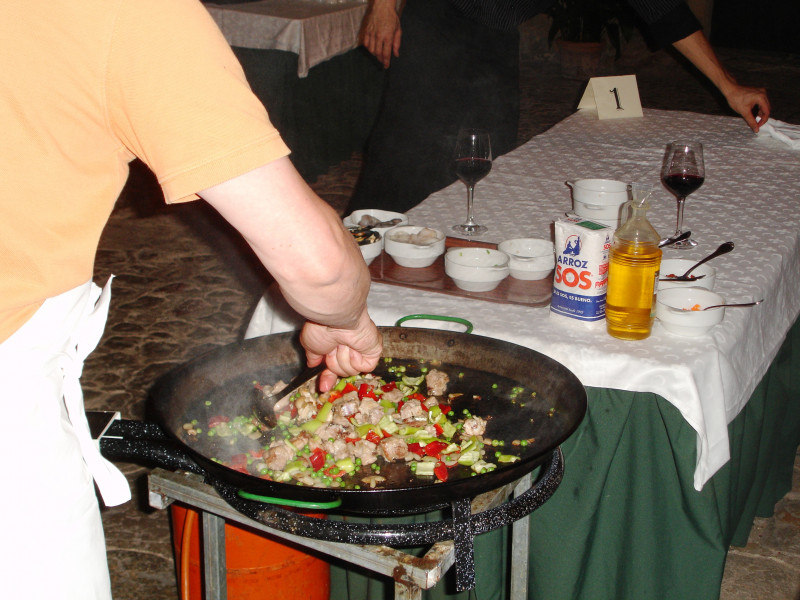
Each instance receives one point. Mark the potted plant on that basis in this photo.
(582, 28)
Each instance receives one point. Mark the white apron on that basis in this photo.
(52, 536)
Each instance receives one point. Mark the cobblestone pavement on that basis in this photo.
(185, 284)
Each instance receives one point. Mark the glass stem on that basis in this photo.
(470, 193)
(679, 229)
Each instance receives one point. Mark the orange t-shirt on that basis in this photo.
(87, 86)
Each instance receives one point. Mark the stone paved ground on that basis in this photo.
(185, 284)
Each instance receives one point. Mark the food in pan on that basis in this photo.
(346, 437)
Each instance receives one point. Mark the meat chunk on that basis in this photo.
(474, 426)
(412, 410)
(278, 456)
(343, 408)
(393, 448)
(394, 395)
(337, 448)
(334, 431)
(369, 411)
(437, 382)
(366, 451)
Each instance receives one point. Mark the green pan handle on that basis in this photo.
(296, 503)
(459, 320)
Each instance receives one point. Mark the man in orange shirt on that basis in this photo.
(87, 87)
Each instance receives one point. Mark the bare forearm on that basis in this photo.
(300, 240)
(749, 102)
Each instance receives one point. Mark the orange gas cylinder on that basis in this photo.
(255, 563)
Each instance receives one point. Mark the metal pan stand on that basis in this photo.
(452, 538)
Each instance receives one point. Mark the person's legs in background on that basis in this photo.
(451, 73)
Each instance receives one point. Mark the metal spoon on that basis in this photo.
(263, 404)
(668, 241)
(723, 249)
(737, 305)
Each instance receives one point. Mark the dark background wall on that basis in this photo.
(757, 24)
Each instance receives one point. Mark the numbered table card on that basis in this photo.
(614, 97)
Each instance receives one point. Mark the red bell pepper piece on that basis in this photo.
(435, 448)
(439, 429)
(349, 387)
(415, 448)
(392, 385)
(444, 408)
(317, 459)
(373, 437)
(440, 470)
(238, 462)
(418, 396)
(215, 420)
(366, 391)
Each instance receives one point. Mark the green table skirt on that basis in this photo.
(626, 522)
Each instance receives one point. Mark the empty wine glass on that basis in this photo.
(682, 173)
(473, 161)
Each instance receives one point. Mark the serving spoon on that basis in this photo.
(724, 248)
(263, 404)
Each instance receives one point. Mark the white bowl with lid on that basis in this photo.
(476, 269)
(529, 258)
(599, 200)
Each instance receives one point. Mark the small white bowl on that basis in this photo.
(369, 242)
(476, 269)
(353, 219)
(370, 251)
(679, 266)
(530, 258)
(674, 310)
(399, 244)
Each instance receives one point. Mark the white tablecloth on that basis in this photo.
(750, 196)
(314, 30)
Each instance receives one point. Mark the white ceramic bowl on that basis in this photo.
(476, 269)
(370, 242)
(370, 251)
(530, 258)
(674, 310)
(679, 266)
(353, 219)
(399, 244)
(599, 200)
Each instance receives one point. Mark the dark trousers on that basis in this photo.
(451, 73)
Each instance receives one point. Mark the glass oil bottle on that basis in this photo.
(634, 264)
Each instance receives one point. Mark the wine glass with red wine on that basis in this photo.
(682, 173)
(473, 161)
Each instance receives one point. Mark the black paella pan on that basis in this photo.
(523, 394)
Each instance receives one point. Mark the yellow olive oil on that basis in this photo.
(633, 268)
(632, 280)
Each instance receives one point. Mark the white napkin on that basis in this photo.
(785, 132)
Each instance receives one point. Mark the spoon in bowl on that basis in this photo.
(737, 305)
(724, 248)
